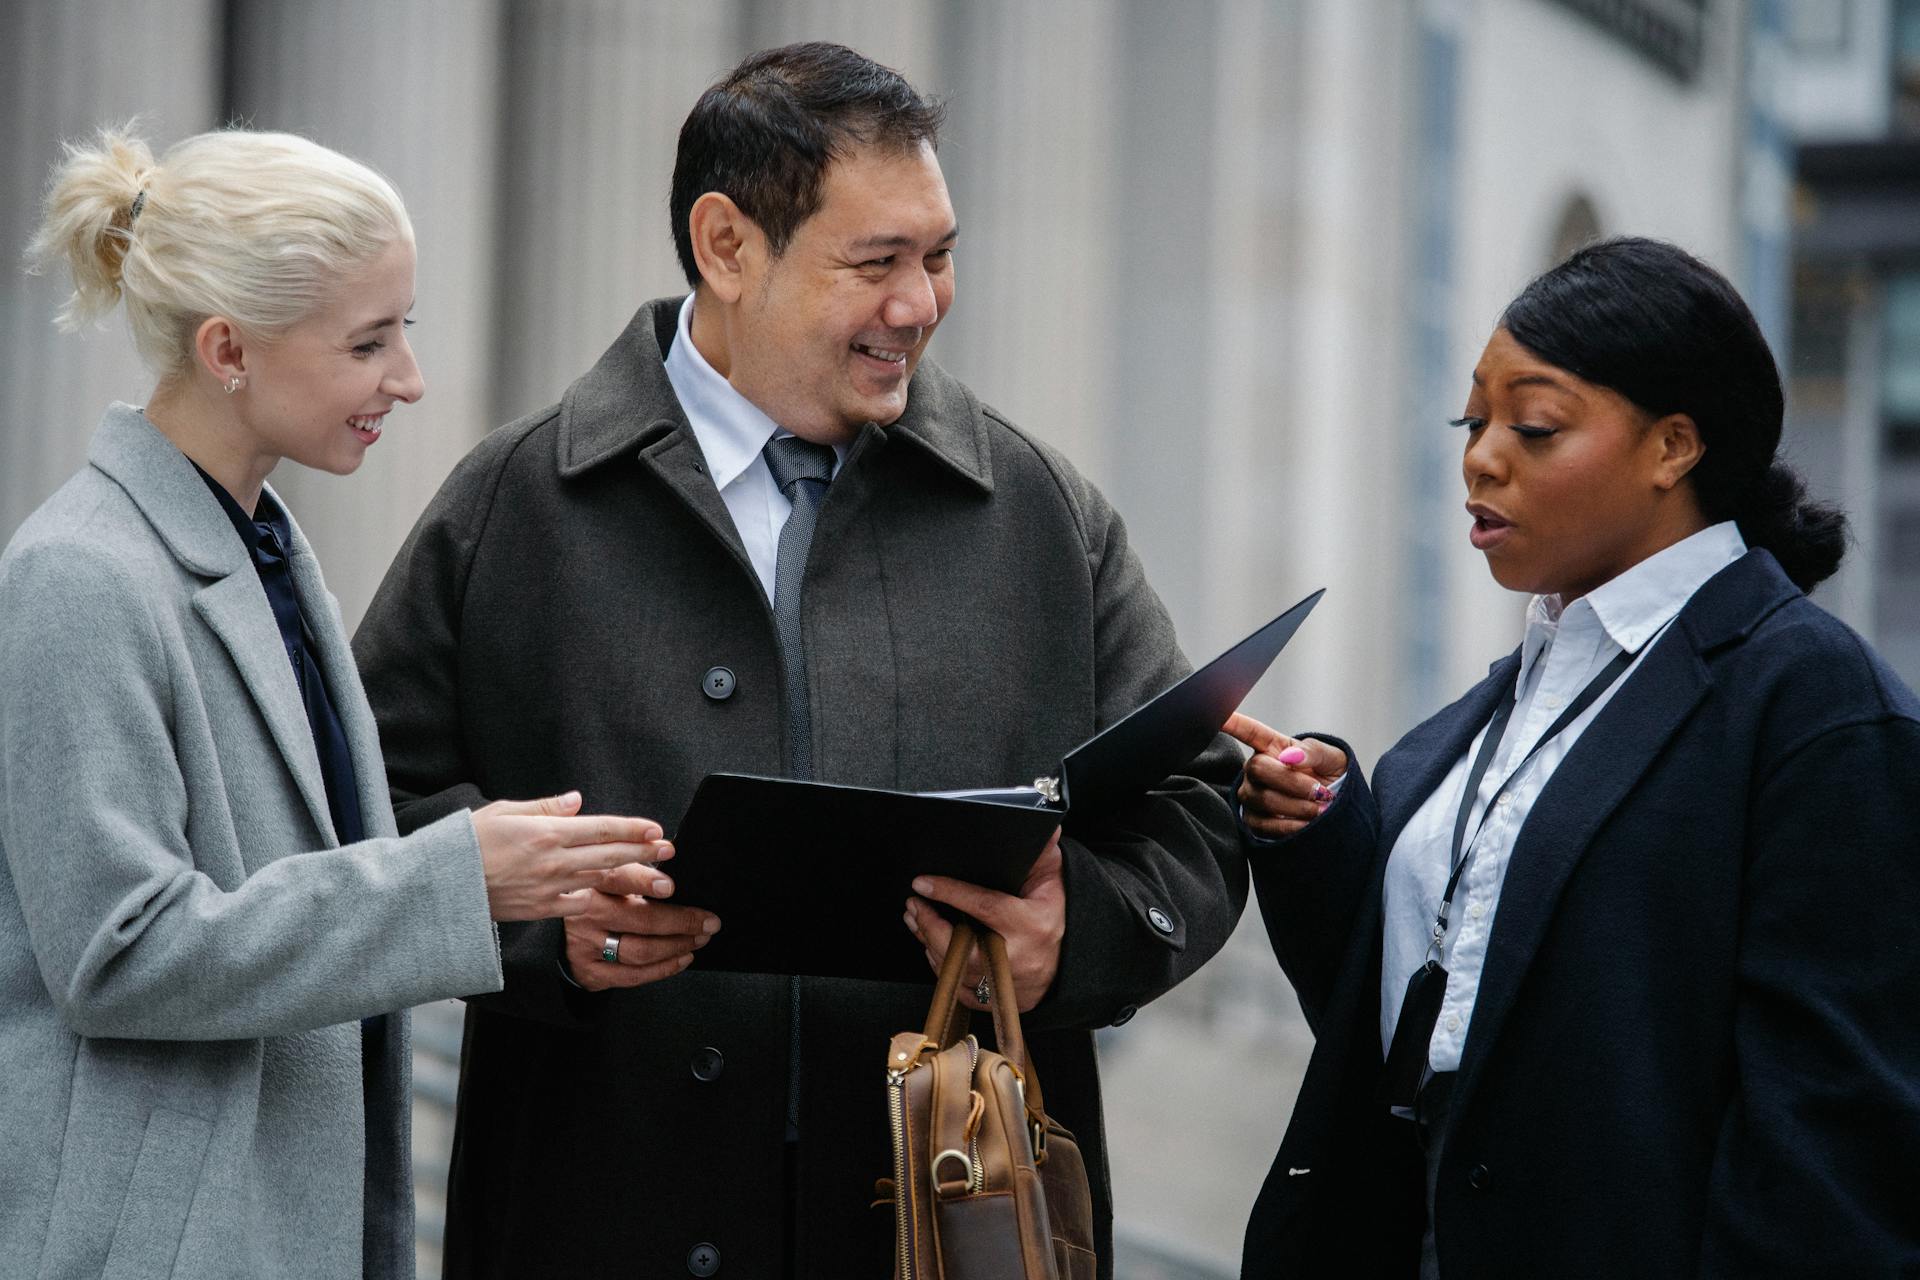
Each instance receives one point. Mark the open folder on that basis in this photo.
(811, 877)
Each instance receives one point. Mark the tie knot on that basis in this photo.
(792, 459)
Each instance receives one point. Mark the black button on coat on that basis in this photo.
(973, 611)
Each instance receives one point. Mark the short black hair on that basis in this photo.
(764, 135)
(1651, 321)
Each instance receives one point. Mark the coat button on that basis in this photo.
(708, 1063)
(1160, 919)
(1479, 1177)
(703, 1260)
(1125, 1015)
(717, 683)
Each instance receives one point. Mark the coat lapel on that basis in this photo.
(235, 609)
(1419, 762)
(174, 499)
(625, 407)
(1406, 776)
(1599, 774)
(674, 457)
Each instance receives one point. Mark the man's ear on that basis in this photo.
(221, 350)
(1681, 449)
(728, 246)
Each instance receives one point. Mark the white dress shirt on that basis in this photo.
(1564, 648)
(731, 431)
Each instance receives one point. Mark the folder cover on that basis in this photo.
(811, 877)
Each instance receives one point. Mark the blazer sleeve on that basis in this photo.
(1818, 1161)
(1155, 888)
(1311, 886)
(132, 939)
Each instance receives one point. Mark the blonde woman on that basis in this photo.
(206, 917)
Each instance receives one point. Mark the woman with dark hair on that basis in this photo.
(1611, 964)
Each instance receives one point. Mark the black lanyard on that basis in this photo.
(1406, 1060)
(1496, 730)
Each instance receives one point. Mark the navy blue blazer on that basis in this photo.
(1696, 1048)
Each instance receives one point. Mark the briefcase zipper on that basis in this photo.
(977, 1175)
(902, 1191)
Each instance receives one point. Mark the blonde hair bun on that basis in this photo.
(256, 227)
(88, 212)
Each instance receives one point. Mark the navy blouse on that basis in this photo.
(268, 536)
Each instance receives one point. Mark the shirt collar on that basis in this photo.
(1632, 607)
(268, 514)
(730, 429)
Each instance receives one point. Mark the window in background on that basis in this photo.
(1672, 33)
(1579, 227)
(1906, 67)
(1819, 28)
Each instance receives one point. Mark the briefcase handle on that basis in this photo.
(948, 1020)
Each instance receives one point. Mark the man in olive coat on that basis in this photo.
(607, 595)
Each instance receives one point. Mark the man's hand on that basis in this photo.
(1032, 923)
(653, 939)
(1288, 781)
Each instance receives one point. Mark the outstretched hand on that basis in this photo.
(542, 859)
(1288, 781)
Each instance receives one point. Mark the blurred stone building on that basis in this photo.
(1236, 257)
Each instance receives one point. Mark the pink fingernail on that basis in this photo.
(1293, 755)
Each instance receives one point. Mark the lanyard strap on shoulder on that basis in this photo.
(1496, 730)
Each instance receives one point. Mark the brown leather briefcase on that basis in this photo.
(984, 1185)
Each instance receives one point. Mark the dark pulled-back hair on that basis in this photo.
(764, 135)
(1654, 323)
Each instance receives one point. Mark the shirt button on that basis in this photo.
(717, 683)
(1550, 702)
(1476, 910)
(708, 1063)
(1159, 919)
(1479, 1177)
(1504, 803)
(703, 1259)
(1453, 1022)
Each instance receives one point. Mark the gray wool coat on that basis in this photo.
(972, 610)
(186, 1088)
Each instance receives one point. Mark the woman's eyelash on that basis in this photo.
(372, 345)
(1471, 424)
(1526, 432)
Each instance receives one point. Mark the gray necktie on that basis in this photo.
(802, 469)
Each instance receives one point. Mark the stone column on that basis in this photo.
(902, 34)
(409, 87)
(1029, 155)
(1342, 416)
(595, 92)
(68, 69)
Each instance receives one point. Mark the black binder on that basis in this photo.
(812, 877)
